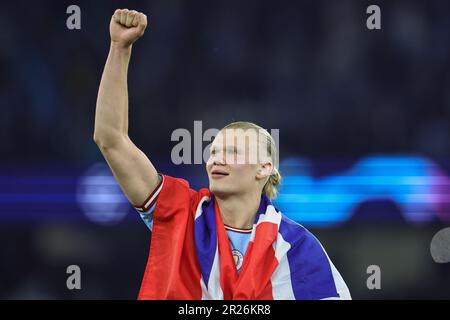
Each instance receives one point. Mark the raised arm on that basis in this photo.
(132, 169)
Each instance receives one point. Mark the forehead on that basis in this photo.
(238, 138)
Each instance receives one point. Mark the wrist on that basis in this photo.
(118, 46)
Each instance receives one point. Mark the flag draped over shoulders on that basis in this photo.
(190, 255)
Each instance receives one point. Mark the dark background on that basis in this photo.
(337, 91)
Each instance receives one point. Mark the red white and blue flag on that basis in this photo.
(190, 255)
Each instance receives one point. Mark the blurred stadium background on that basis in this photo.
(364, 119)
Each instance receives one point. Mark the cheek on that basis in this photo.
(240, 159)
(208, 165)
(243, 171)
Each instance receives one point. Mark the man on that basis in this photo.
(224, 242)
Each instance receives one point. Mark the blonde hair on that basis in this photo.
(270, 189)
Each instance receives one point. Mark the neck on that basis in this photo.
(239, 211)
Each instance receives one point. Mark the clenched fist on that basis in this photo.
(127, 26)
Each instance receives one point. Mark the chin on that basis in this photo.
(218, 190)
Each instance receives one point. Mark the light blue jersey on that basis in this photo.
(239, 239)
(147, 217)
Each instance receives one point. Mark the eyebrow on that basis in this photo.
(228, 148)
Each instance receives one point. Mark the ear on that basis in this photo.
(264, 170)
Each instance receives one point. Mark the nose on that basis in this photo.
(218, 162)
(216, 159)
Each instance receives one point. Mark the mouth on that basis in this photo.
(218, 174)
